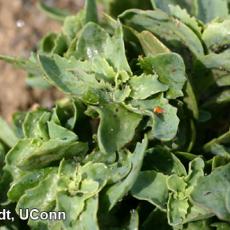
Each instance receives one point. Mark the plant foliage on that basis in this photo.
(141, 139)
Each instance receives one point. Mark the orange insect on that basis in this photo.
(158, 110)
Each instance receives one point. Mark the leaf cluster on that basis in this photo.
(141, 139)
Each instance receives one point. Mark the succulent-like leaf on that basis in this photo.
(170, 69)
(6, 134)
(208, 10)
(213, 192)
(163, 125)
(114, 193)
(117, 126)
(172, 31)
(151, 186)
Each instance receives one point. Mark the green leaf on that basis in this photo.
(88, 218)
(176, 184)
(74, 190)
(2, 156)
(117, 126)
(186, 136)
(168, 29)
(66, 76)
(146, 85)
(42, 196)
(219, 161)
(216, 35)
(208, 10)
(151, 45)
(163, 161)
(183, 16)
(67, 197)
(83, 156)
(47, 43)
(134, 220)
(36, 153)
(53, 12)
(197, 225)
(217, 61)
(31, 66)
(116, 192)
(165, 5)
(60, 45)
(59, 132)
(17, 123)
(5, 180)
(170, 69)
(80, 200)
(98, 172)
(221, 98)
(213, 66)
(163, 126)
(190, 99)
(120, 169)
(72, 26)
(221, 226)
(37, 82)
(196, 213)
(178, 209)
(151, 186)
(67, 112)
(34, 124)
(157, 219)
(195, 171)
(19, 62)
(68, 203)
(6, 134)
(91, 11)
(95, 41)
(223, 80)
(220, 150)
(103, 70)
(185, 155)
(213, 192)
(28, 181)
(120, 95)
(214, 145)
(116, 7)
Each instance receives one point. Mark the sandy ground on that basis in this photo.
(21, 26)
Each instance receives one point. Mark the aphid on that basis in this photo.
(178, 23)
(34, 107)
(158, 110)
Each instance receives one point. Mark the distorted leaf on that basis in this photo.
(170, 69)
(163, 126)
(146, 85)
(116, 192)
(170, 30)
(6, 134)
(117, 126)
(213, 192)
(151, 186)
(53, 12)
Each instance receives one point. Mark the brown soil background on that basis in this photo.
(21, 26)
